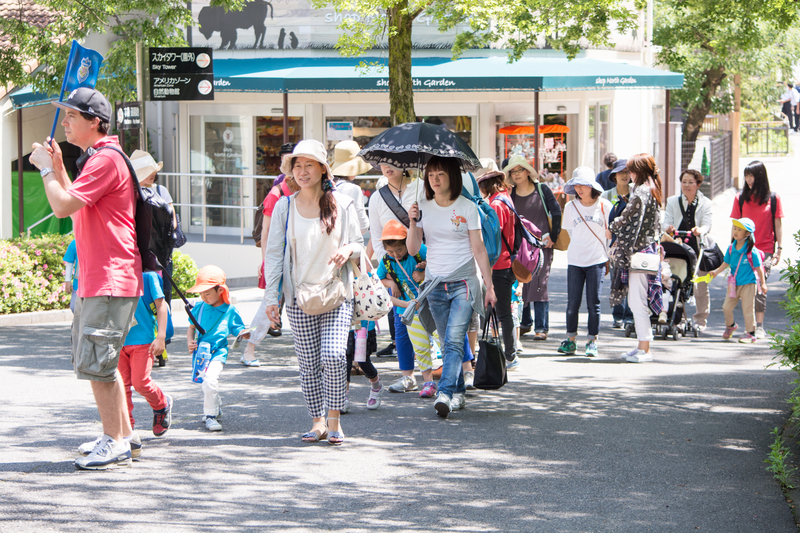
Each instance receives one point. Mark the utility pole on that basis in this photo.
(140, 96)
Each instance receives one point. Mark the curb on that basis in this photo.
(36, 317)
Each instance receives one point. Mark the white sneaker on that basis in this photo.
(136, 445)
(346, 408)
(404, 384)
(212, 424)
(469, 380)
(458, 402)
(374, 400)
(640, 357)
(108, 453)
(630, 353)
(760, 333)
(442, 405)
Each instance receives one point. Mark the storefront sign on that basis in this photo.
(129, 116)
(181, 74)
(340, 131)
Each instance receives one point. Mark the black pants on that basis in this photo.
(369, 369)
(503, 281)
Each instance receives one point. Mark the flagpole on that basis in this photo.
(63, 86)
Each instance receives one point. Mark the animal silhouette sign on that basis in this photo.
(253, 15)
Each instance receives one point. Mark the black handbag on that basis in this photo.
(178, 237)
(490, 370)
(712, 257)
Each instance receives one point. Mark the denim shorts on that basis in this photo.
(99, 328)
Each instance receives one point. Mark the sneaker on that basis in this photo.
(458, 402)
(388, 351)
(251, 362)
(617, 324)
(162, 418)
(136, 445)
(212, 424)
(404, 384)
(374, 400)
(512, 365)
(429, 389)
(760, 333)
(747, 338)
(442, 405)
(662, 318)
(630, 353)
(346, 408)
(729, 331)
(591, 349)
(108, 453)
(469, 379)
(640, 357)
(567, 347)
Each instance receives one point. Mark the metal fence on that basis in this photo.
(715, 163)
(765, 138)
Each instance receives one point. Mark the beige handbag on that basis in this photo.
(642, 263)
(317, 298)
(562, 243)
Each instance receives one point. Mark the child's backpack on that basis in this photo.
(490, 223)
(750, 256)
(527, 249)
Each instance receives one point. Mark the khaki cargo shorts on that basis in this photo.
(99, 328)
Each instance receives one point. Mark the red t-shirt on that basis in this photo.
(507, 222)
(273, 197)
(762, 216)
(105, 230)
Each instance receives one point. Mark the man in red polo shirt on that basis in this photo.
(102, 204)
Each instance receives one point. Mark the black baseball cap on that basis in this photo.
(89, 101)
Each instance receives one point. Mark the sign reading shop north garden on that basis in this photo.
(181, 74)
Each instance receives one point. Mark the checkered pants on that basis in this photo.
(320, 343)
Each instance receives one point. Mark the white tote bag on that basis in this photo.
(371, 300)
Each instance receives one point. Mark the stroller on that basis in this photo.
(683, 263)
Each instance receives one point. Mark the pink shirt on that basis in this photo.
(273, 197)
(761, 215)
(105, 230)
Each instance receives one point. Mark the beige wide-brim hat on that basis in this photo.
(144, 165)
(487, 165)
(519, 161)
(308, 148)
(346, 161)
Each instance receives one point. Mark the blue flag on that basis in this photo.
(83, 67)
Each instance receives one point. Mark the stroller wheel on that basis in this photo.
(664, 333)
(628, 329)
(696, 332)
(675, 334)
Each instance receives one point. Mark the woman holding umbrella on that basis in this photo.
(452, 231)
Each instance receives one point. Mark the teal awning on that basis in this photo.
(435, 74)
(26, 97)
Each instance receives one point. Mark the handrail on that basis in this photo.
(39, 222)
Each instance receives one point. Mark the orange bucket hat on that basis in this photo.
(394, 230)
(209, 277)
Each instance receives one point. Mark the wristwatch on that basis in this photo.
(45, 171)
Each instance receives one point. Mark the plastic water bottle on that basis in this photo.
(202, 358)
(361, 345)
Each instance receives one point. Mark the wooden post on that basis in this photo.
(536, 130)
(285, 117)
(21, 176)
(666, 181)
(735, 128)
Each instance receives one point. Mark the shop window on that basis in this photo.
(219, 145)
(598, 144)
(269, 139)
(517, 138)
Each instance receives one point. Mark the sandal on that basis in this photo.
(315, 435)
(335, 438)
(541, 336)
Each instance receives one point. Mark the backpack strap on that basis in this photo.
(773, 205)
(396, 207)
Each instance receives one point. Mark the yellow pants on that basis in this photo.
(421, 342)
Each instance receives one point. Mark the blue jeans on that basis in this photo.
(540, 319)
(452, 311)
(622, 313)
(592, 278)
(405, 350)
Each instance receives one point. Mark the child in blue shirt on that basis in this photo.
(219, 319)
(145, 340)
(745, 262)
(71, 273)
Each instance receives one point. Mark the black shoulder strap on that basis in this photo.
(773, 205)
(387, 264)
(392, 203)
(680, 204)
(741, 204)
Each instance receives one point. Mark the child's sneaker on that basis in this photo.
(428, 390)
(162, 418)
(469, 380)
(212, 424)
(567, 347)
(747, 338)
(591, 349)
(662, 318)
(729, 331)
(346, 407)
(374, 400)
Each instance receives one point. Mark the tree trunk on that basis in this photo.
(694, 119)
(401, 86)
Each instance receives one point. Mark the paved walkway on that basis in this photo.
(570, 444)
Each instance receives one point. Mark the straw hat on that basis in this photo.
(308, 148)
(519, 161)
(346, 161)
(144, 165)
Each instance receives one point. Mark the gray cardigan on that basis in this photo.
(276, 262)
(703, 216)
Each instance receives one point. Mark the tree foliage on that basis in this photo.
(517, 26)
(150, 22)
(709, 40)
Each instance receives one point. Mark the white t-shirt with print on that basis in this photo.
(584, 248)
(447, 234)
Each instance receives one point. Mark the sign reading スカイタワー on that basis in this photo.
(181, 74)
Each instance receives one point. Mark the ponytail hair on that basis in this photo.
(645, 171)
(751, 241)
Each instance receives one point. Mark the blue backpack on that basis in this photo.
(490, 223)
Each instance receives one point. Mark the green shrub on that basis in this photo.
(184, 273)
(32, 274)
(788, 346)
